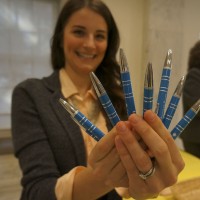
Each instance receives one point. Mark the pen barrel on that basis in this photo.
(148, 99)
(128, 92)
(170, 111)
(182, 124)
(109, 108)
(89, 128)
(163, 91)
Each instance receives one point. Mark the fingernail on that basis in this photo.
(150, 116)
(121, 127)
(134, 118)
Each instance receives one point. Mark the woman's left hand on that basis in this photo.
(159, 152)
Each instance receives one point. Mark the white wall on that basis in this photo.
(171, 24)
(129, 16)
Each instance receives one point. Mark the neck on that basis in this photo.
(81, 81)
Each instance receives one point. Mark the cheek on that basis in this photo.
(70, 42)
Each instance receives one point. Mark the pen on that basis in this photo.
(82, 121)
(104, 99)
(126, 83)
(190, 114)
(148, 89)
(164, 84)
(173, 103)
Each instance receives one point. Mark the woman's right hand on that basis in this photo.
(106, 164)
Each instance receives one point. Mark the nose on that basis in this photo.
(89, 42)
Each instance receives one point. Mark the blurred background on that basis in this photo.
(148, 28)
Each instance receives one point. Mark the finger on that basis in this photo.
(117, 177)
(157, 146)
(103, 147)
(151, 187)
(147, 133)
(104, 167)
(137, 186)
(137, 153)
(127, 160)
(154, 121)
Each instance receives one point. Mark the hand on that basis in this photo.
(136, 158)
(106, 163)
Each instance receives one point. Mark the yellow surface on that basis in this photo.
(191, 170)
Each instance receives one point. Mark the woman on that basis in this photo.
(60, 161)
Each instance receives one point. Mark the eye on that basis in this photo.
(100, 37)
(79, 32)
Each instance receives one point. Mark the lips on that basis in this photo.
(85, 55)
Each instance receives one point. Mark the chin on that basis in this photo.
(88, 69)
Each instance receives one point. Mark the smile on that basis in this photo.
(83, 55)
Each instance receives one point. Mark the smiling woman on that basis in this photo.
(61, 161)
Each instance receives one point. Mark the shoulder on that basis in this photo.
(28, 83)
(28, 87)
(39, 84)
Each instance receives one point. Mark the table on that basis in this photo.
(191, 170)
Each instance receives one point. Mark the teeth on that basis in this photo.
(86, 55)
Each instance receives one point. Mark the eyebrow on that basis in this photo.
(82, 27)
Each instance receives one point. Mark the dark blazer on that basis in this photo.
(47, 142)
(191, 93)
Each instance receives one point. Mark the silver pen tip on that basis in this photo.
(149, 76)
(123, 61)
(179, 88)
(168, 59)
(196, 106)
(97, 84)
(67, 106)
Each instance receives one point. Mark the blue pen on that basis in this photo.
(164, 84)
(148, 89)
(190, 114)
(105, 100)
(126, 83)
(82, 121)
(173, 103)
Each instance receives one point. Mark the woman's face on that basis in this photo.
(85, 41)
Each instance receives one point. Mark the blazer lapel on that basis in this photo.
(71, 128)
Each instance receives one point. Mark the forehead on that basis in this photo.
(87, 18)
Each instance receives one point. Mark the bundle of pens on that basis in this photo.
(166, 117)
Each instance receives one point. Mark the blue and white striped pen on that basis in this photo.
(148, 89)
(126, 83)
(173, 103)
(164, 84)
(104, 99)
(82, 121)
(190, 114)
